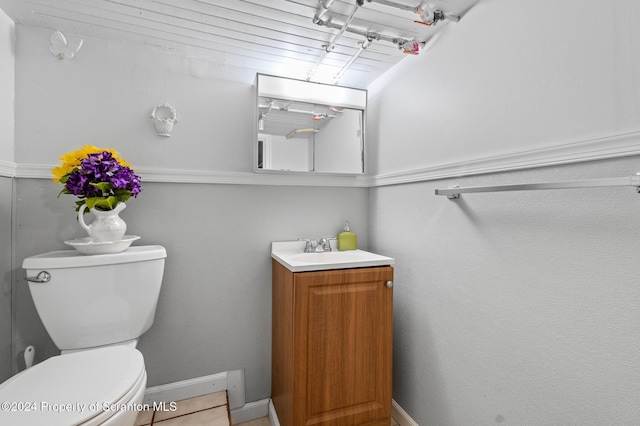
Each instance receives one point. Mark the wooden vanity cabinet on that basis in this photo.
(332, 346)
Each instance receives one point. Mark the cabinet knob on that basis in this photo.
(389, 284)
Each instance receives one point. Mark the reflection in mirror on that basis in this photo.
(309, 127)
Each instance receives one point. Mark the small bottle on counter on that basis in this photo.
(347, 240)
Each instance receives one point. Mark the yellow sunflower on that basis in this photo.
(72, 160)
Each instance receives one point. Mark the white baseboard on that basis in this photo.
(231, 381)
(251, 411)
(397, 413)
(273, 416)
(401, 416)
(186, 389)
(235, 388)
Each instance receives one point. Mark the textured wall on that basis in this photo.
(509, 308)
(7, 65)
(7, 88)
(511, 76)
(105, 94)
(214, 312)
(6, 197)
(514, 308)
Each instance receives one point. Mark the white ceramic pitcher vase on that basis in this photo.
(107, 225)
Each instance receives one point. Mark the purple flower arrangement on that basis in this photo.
(97, 177)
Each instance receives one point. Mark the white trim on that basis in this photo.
(621, 145)
(398, 414)
(8, 168)
(273, 416)
(251, 411)
(35, 171)
(235, 388)
(186, 389)
(231, 381)
(250, 178)
(612, 146)
(40, 171)
(401, 416)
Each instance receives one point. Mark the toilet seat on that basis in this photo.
(80, 388)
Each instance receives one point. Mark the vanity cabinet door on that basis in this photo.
(341, 348)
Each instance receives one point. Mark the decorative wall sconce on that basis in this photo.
(61, 48)
(164, 116)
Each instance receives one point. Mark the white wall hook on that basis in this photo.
(164, 116)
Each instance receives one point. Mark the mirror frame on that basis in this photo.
(318, 93)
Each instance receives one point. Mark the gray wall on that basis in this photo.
(6, 197)
(215, 305)
(214, 312)
(515, 307)
(7, 98)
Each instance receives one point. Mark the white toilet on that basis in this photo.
(94, 308)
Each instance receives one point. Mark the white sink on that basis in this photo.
(291, 254)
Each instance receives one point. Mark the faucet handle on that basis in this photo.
(308, 247)
(325, 243)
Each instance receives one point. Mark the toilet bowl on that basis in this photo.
(94, 387)
(100, 378)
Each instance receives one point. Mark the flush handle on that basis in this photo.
(389, 284)
(42, 277)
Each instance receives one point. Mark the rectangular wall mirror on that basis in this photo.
(309, 127)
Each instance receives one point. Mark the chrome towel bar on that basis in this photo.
(634, 180)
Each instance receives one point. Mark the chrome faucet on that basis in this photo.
(324, 245)
(308, 247)
(317, 246)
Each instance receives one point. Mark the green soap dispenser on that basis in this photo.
(347, 240)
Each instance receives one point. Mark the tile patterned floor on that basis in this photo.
(210, 410)
(264, 421)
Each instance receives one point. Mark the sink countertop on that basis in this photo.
(291, 254)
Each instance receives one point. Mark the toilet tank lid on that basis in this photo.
(74, 259)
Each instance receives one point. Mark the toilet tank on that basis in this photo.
(97, 300)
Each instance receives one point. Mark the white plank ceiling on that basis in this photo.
(277, 37)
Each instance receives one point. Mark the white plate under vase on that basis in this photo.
(88, 246)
